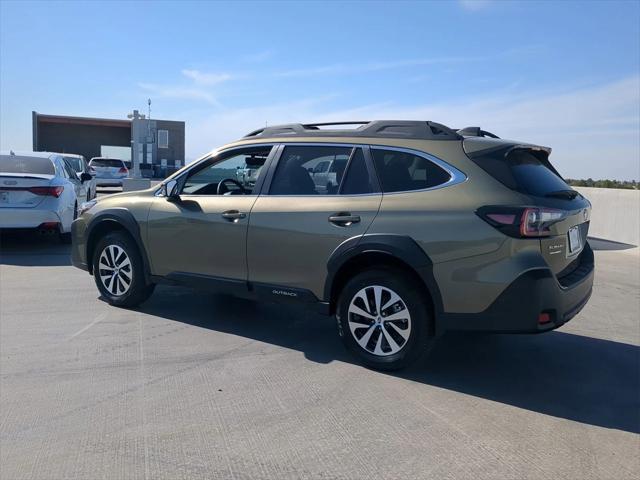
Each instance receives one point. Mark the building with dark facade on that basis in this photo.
(159, 144)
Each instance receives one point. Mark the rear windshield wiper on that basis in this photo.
(570, 194)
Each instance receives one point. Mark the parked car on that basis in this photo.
(328, 171)
(39, 190)
(430, 229)
(80, 166)
(248, 173)
(109, 171)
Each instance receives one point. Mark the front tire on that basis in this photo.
(384, 319)
(119, 272)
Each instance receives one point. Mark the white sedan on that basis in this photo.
(39, 190)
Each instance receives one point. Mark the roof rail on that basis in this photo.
(476, 132)
(410, 129)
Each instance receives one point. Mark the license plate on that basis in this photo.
(575, 240)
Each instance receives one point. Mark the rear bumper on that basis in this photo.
(109, 182)
(26, 217)
(537, 291)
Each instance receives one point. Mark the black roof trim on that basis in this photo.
(410, 129)
(476, 132)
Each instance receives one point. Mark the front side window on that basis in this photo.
(310, 170)
(75, 162)
(232, 173)
(403, 172)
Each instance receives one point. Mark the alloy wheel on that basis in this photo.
(379, 320)
(115, 270)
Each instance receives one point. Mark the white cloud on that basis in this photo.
(179, 92)
(594, 131)
(207, 79)
(199, 89)
(258, 57)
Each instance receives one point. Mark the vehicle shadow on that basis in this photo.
(560, 374)
(601, 244)
(33, 249)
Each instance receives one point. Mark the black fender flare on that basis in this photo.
(401, 247)
(125, 219)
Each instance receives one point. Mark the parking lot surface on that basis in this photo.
(193, 385)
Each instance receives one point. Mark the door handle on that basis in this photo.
(233, 215)
(344, 219)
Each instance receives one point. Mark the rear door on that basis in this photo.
(296, 224)
(21, 180)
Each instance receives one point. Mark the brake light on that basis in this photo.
(47, 191)
(123, 170)
(521, 221)
(536, 221)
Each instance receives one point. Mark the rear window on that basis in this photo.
(19, 164)
(106, 162)
(403, 172)
(523, 171)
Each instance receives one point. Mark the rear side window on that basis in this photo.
(523, 171)
(19, 164)
(107, 162)
(310, 170)
(403, 172)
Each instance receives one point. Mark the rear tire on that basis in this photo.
(383, 319)
(119, 272)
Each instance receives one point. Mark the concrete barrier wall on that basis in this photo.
(615, 215)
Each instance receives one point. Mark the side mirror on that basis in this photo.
(170, 189)
(85, 177)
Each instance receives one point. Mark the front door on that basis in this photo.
(297, 224)
(203, 232)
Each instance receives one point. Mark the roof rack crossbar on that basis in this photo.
(409, 129)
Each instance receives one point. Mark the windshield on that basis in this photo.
(19, 164)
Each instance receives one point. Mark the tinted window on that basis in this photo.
(242, 167)
(19, 164)
(75, 163)
(106, 162)
(71, 173)
(357, 180)
(309, 170)
(524, 172)
(401, 172)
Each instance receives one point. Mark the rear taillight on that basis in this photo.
(535, 222)
(521, 221)
(47, 191)
(123, 170)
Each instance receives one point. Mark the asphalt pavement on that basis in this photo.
(199, 386)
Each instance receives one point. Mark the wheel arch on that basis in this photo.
(111, 220)
(381, 250)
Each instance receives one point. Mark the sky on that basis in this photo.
(561, 74)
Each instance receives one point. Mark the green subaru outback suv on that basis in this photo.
(424, 229)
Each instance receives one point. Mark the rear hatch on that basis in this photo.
(109, 168)
(24, 181)
(560, 215)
